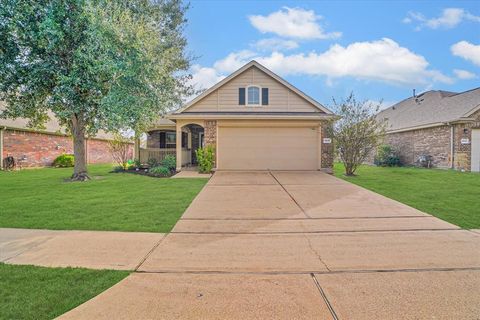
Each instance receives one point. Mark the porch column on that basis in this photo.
(178, 148)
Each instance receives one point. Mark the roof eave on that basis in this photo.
(315, 116)
(432, 125)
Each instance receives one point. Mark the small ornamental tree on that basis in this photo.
(93, 64)
(121, 150)
(357, 132)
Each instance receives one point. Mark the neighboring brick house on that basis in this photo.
(38, 148)
(440, 124)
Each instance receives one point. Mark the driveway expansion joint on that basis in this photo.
(291, 197)
(315, 232)
(309, 272)
(324, 297)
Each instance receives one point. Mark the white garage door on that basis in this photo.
(476, 150)
(253, 148)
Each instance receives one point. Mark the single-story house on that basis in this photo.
(443, 126)
(38, 148)
(254, 119)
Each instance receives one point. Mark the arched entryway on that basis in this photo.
(191, 138)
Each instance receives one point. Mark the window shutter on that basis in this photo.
(264, 96)
(162, 140)
(241, 96)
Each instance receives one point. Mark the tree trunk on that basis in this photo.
(80, 165)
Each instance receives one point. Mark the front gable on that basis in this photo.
(232, 94)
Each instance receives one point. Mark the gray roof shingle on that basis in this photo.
(430, 108)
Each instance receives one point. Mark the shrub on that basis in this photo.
(205, 159)
(137, 163)
(170, 162)
(117, 169)
(152, 162)
(160, 171)
(64, 161)
(386, 157)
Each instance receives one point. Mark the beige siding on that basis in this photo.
(281, 99)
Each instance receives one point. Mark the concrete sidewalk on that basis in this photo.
(88, 249)
(299, 245)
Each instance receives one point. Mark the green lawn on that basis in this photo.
(449, 195)
(40, 198)
(28, 292)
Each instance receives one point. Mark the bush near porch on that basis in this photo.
(449, 195)
(41, 199)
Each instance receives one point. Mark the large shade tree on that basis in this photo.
(94, 64)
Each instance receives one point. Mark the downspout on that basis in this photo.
(1, 147)
(452, 146)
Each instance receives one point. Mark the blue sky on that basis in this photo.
(379, 50)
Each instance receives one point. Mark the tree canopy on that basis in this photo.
(95, 64)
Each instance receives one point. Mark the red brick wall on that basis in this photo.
(41, 149)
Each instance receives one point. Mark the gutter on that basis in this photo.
(432, 125)
(452, 144)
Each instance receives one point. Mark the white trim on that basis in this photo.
(259, 96)
(469, 113)
(315, 103)
(314, 116)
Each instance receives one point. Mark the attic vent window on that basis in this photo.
(253, 96)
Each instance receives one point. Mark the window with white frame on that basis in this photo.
(170, 140)
(253, 96)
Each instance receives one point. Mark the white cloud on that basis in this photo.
(204, 78)
(275, 44)
(467, 51)
(464, 74)
(234, 61)
(450, 17)
(382, 60)
(292, 23)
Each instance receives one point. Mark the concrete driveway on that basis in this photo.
(299, 245)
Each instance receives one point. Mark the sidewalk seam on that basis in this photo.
(150, 252)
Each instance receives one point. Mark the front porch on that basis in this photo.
(162, 142)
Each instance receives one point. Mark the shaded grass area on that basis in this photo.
(449, 195)
(41, 198)
(29, 292)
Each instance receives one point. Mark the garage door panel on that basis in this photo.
(253, 148)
